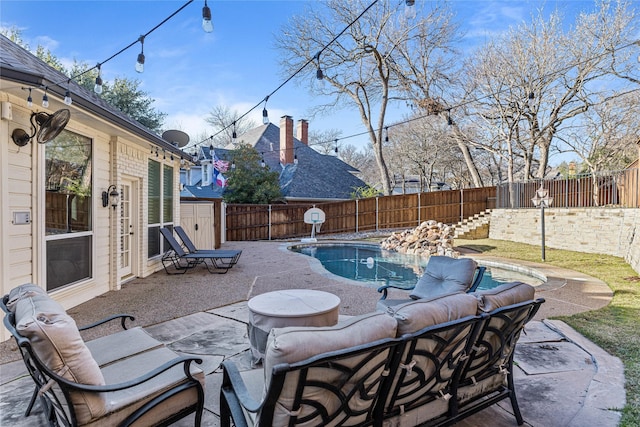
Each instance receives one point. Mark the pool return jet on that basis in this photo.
(315, 217)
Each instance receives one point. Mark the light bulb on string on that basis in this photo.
(67, 98)
(234, 135)
(336, 149)
(207, 25)
(319, 73)
(67, 95)
(386, 134)
(295, 159)
(98, 87)
(265, 113)
(410, 9)
(29, 99)
(45, 98)
(262, 163)
(140, 61)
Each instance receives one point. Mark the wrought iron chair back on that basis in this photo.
(427, 367)
(339, 388)
(492, 356)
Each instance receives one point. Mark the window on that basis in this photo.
(68, 191)
(160, 183)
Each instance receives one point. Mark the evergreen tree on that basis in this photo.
(249, 182)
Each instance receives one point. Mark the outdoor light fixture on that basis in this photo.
(319, 73)
(98, 87)
(29, 99)
(45, 98)
(110, 197)
(542, 200)
(140, 61)
(207, 25)
(410, 9)
(265, 113)
(67, 95)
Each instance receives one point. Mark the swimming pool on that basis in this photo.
(371, 265)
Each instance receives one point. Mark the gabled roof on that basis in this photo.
(316, 176)
(25, 69)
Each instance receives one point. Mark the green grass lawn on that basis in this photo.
(615, 328)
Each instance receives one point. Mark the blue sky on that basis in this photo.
(188, 71)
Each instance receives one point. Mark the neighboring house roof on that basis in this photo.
(22, 67)
(316, 176)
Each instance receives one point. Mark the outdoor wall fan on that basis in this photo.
(45, 127)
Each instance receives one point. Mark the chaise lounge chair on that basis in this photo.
(216, 261)
(443, 275)
(191, 247)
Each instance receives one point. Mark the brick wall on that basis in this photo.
(611, 231)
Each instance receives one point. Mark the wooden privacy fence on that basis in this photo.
(619, 189)
(267, 222)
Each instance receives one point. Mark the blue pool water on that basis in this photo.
(376, 266)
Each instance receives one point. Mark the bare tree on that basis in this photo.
(358, 66)
(224, 123)
(608, 135)
(325, 141)
(529, 87)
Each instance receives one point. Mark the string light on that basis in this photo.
(67, 95)
(262, 163)
(45, 98)
(410, 9)
(207, 25)
(386, 134)
(234, 135)
(319, 73)
(29, 99)
(295, 158)
(336, 149)
(98, 87)
(265, 113)
(140, 61)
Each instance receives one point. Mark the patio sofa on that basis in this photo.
(125, 378)
(426, 362)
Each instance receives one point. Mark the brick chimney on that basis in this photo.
(286, 140)
(302, 131)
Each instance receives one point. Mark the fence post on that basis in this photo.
(269, 222)
(357, 215)
(461, 204)
(377, 213)
(419, 206)
(223, 220)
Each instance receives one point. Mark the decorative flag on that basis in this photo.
(220, 165)
(221, 180)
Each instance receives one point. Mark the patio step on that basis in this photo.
(474, 227)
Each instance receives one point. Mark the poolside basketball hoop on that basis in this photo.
(315, 217)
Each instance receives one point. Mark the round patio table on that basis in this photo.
(291, 307)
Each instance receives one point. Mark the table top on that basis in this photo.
(293, 303)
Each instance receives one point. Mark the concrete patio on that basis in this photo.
(562, 379)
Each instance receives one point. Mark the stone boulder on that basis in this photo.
(429, 238)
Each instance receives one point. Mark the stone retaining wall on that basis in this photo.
(611, 231)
